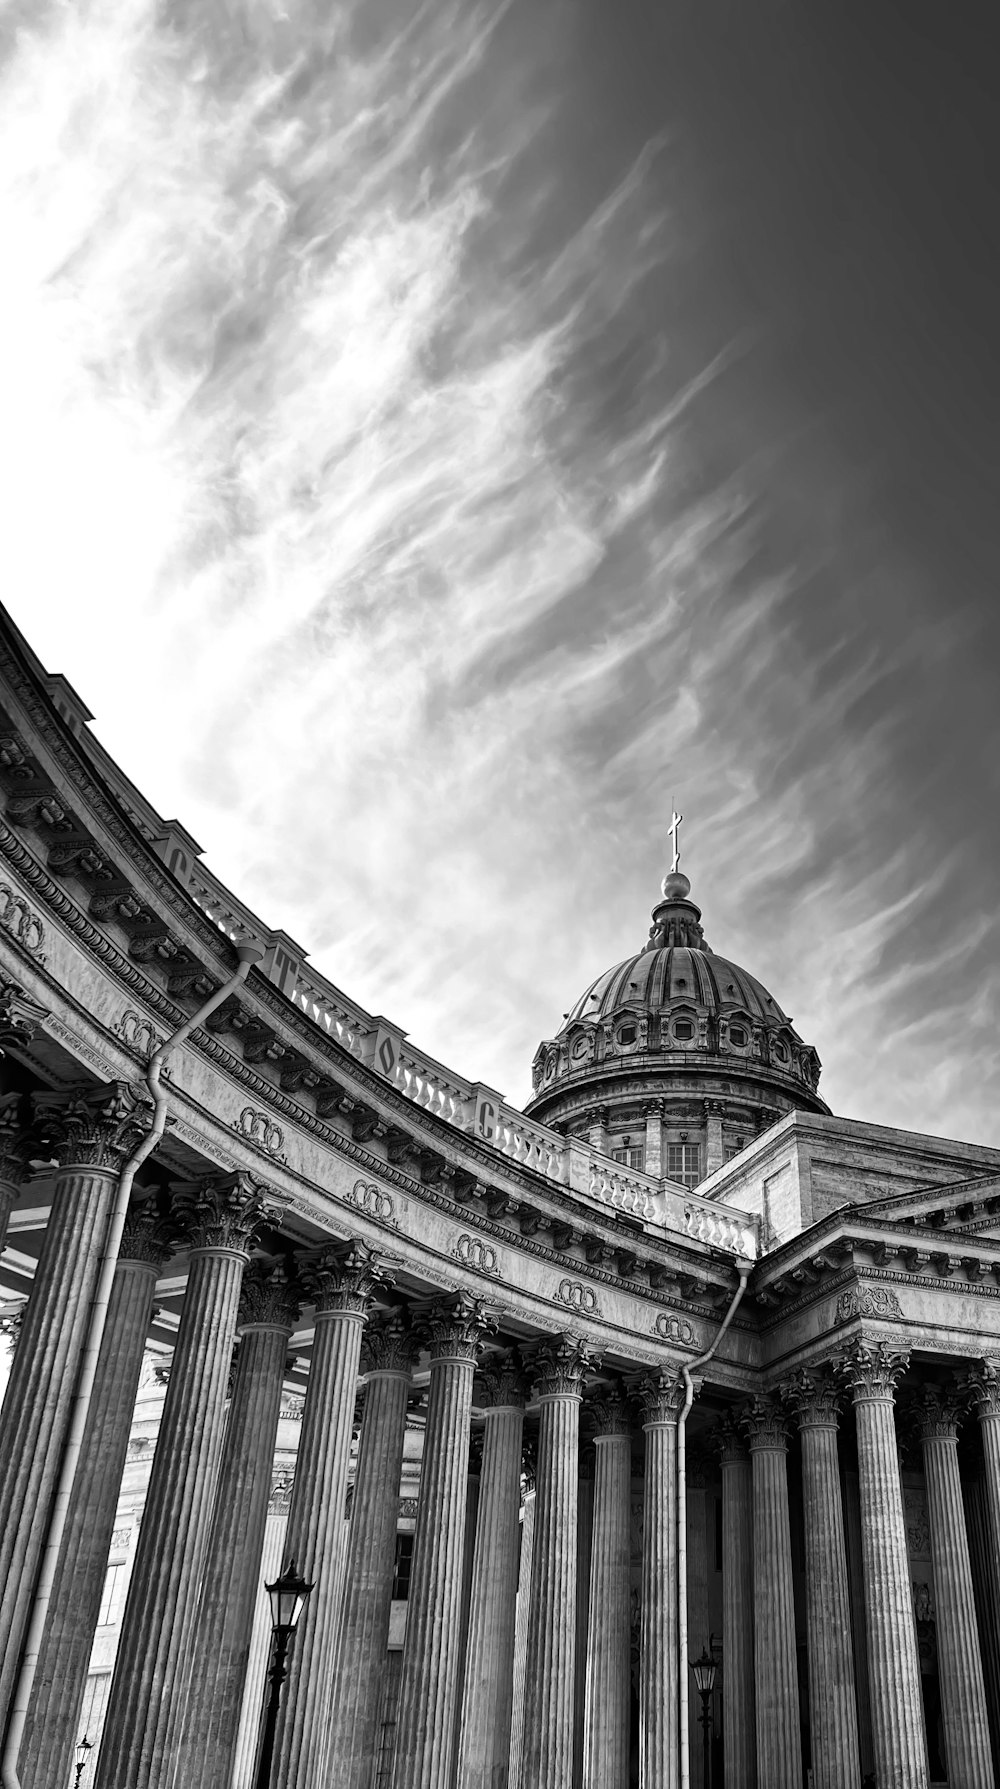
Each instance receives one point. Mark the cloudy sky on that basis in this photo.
(433, 437)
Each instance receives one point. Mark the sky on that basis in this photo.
(436, 438)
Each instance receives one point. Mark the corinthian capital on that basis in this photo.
(500, 1382)
(17, 1144)
(983, 1387)
(558, 1368)
(92, 1127)
(19, 1015)
(608, 1411)
(270, 1297)
(661, 1396)
(148, 1235)
(872, 1369)
(455, 1327)
(765, 1424)
(936, 1411)
(225, 1212)
(815, 1395)
(728, 1441)
(343, 1277)
(388, 1345)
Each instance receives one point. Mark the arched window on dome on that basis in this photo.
(739, 1031)
(682, 1029)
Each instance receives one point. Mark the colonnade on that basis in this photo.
(175, 1698)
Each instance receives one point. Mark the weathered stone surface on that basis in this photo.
(606, 1702)
(661, 1396)
(738, 1702)
(779, 1747)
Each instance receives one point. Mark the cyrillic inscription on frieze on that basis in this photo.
(475, 1252)
(370, 1199)
(867, 1301)
(578, 1296)
(17, 918)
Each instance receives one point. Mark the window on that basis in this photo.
(629, 1158)
(110, 1597)
(780, 1052)
(401, 1571)
(683, 1030)
(734, 1149)
(627, 1034)
(684, 1163)
(738, 1036)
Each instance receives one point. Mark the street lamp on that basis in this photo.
(288, 1594)
(704, 1677)
(83, 1746)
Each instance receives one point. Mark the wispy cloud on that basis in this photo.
(354, 478)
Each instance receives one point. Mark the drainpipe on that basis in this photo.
(248, 955)
(743, 1267)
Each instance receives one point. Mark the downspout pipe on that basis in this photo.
(248, 954)
(743, 1267)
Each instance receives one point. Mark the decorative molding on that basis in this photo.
(475, 1253)
(368, 1198)
(867, 1301)
(671, 1328)
(260, 1130)
(137, 1033)
(578, 1296)
(22, 922)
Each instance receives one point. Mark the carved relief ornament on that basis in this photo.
(342, 1277)
(91, 1127)
(226, 1212)
(983, 1387)
(558, 1368)
(388, 1345)
(661, 1396)
(765, 1424)
(867, 1301)
(872, 1369)
(500, 1382)
(270, 1297)
(454, 1327)
(815, 1395)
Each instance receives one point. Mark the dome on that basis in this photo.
(656, 980)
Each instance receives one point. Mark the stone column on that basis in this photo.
(872, 1368)
(714, 1151)
(833, 1721)
(341, 1278)
(662, 1396)
(985, 1565)
(597, 1130)
(584, 1538)
(387, 1358)
(91, 1133)
(15, 1149)
(983, 1388)
(779, 1739)
(454, 1328)
(476, 1440)
(960, 1668)
(150, 1678)
(488, 1690)
(607, 1696)
(547, 1760)
(859, 1628)
(653, 1115)
(738, 1700)
(205, 1725)
(272, 1561)
(521, 1636)
(51, 1729)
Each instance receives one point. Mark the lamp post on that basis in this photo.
(704, 1677)
(288, 1594)
(83, 1746)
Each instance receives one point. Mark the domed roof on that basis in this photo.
(657, 979)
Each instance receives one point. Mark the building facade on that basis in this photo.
(676, 1365)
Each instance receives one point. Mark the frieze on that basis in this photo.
(137, 1034)
(367, 1197)
(671, 1328)
(54, 1027)
(578, 1296)
(17, 918)
(262, 1131)
(867, 1301)
(474, 1252)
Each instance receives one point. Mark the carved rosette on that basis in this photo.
(388, 1345)
(226, 1212)
(148, 1235)
(728, 1442)
(270, 1297)
(661, 1396)
(455, 1327)
(500, 1382)
(608, 1412)
(872, 1369)
(343, 1277)
(982, 1386)
(935, 1412)
(815, 1395)
(558, 1368)
(92, 1127)
(17, 1143)
(765, 1424)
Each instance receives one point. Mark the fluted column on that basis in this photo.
(90, 1132)
(272, 1560)
(387, 1358)
(960, 1668)
(779, 1739)
(222, 1217)
(833, 1720)
(488, 1689)
(661, 1395)
(454, 1328)
(341, 1278)
(52, 1730)
(547, 1762)
(204, 1729)
(606, 1699)
(872, 1369)
(738, 1700)
(984, 1565)
(521, 1634)
(983, 1388)
(859, 1629)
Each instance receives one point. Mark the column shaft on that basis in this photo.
(342, 1281)
(273, 1557)
(488, 1690)
(39, 1400)
(738, 1717)
(984, 1576)
(371, 1554)
(833, 1721)
(154, 1647)
(51, 1730)
(963, 1694)
(779, 1740)
(859, 1627)
(606, 1703)
(205, 1726)
(897, 1707)
(521, 1639)
(658, 1655)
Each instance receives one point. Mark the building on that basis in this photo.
(676, 1365)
